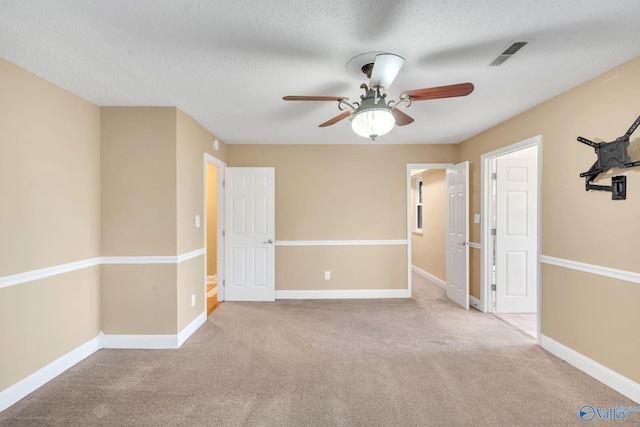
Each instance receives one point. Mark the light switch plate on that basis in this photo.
(476, 219)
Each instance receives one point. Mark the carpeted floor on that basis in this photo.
(417, 362)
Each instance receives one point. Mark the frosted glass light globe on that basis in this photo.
(373, 122)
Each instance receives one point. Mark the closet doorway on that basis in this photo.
(214, 232)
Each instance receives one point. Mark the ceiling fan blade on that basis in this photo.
(385, 69)
(402, 119)
(451, 91)
(336, 119)
(315, 98)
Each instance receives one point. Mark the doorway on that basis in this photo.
(214, 232)
(510, 234)
(437, 227)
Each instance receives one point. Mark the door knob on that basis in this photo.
(270, 241)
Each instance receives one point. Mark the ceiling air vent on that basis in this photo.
(508, 53)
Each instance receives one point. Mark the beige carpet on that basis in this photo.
(418, 362)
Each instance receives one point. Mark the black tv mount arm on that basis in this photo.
(610, 155)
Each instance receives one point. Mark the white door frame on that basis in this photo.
(485, 227)
(410, 210)
(220, 170)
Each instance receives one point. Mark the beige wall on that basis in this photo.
(49, 174)
(192, 142)
(351, 267)
(138, 169)
(475, 258)
(191, 281)
(153, 187)
(139, 299)
(594, 315)
(212, 220)
(340, 192)
(44, 319)
(49, 215)
(577, 308)
(429, 248)
(139, 205)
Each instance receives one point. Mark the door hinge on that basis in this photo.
(494, 232)
(493, 287)
(223, 284)
(494, 176)
(222, 233)
(223, 181)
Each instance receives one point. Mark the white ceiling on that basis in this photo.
(229, 63)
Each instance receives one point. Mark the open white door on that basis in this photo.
(458, 234)
(516, 235)
(250, 233)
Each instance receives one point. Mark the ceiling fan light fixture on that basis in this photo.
(372, 122)
(373, 115)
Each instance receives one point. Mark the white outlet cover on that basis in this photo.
(193, 300)
(476, 219)
(327, 275)
(196, 221)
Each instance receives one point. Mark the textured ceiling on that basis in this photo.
(229, 63)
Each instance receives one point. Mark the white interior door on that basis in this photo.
(458, 234)
(516, 235)
(250, 234)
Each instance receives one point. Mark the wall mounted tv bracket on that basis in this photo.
(610, 155)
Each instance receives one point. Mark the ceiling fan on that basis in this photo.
(373, 115)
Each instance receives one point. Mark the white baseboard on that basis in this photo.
(430, 277)
(619, 383)
(14, 393)
(475, 303)
(146, 342)
(191, 328)
(28, 385)
(152, 342)
(344, 294)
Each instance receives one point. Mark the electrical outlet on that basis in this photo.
(193, 300)
(327, 275)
